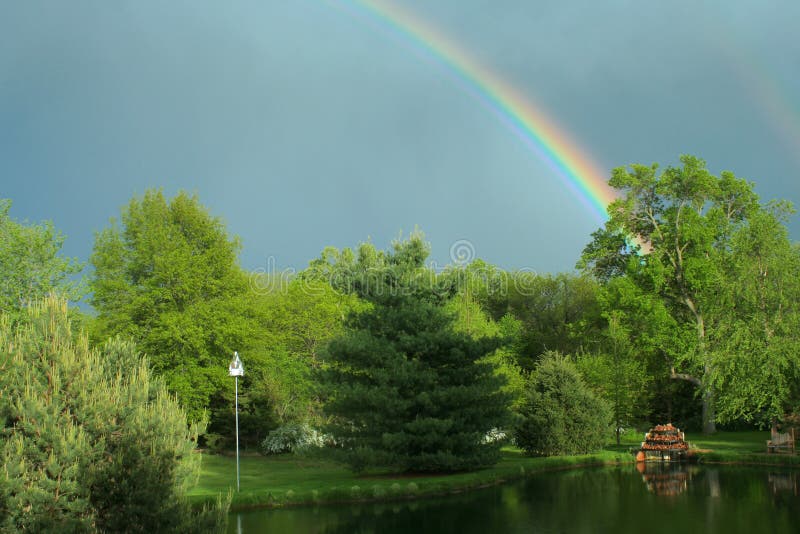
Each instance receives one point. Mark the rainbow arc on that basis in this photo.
(529, 122)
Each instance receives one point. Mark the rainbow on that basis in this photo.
(527, 121)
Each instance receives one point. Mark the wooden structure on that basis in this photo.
(781, 441)
(663, 443)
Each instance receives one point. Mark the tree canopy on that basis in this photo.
(167, 276)
(31, 266)
(679, 236)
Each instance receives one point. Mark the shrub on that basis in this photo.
(560, 414)
(495, 435)
(294, 437)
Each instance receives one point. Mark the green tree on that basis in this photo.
(406, 389)
(617, 375)
(470, 319)
(757, 343)
(561, 414)
(557, 312)
(296, 318)
(671, 234)
(168, 277)
(90, 440)
(31, 266)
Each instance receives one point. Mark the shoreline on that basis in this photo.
(293, 481)
(369, 488)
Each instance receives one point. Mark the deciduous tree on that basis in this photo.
(31, 265)
(677, 235)
(167, 276)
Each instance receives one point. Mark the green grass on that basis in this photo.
(288, 479)
(741, 442)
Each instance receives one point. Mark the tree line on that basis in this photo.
(683, 307)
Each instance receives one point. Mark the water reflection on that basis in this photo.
(783, 483)
(665, 478)
(674, 497)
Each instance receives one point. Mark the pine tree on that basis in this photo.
(406, 389)
(90, 440)
(561, 415)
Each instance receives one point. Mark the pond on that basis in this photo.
(675, 499)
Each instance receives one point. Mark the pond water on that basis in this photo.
(675, 499)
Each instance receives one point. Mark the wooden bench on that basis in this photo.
(781, 441)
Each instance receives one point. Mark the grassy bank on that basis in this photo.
(288, 479)
(739, 448)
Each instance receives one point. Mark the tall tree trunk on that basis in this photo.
(709, 423)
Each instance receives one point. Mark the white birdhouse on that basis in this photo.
(235, 367)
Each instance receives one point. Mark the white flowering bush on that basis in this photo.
(495, 435)
(294, 437)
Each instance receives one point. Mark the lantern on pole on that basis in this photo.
(235, 369)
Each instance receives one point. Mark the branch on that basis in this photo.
(683, 376)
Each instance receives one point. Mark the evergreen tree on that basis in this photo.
(561, 415)
(90, 440)
(406, 389)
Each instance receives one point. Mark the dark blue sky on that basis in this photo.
(302, 126)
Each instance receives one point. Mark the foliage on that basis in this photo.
(561, 415)
(30, 264)
(293, 437)
(295, 319)
(90, 439)
(168, 278)
(618, 375)
(406, 389)
(557, 312)
(470, 319)
(680, 237)
(299, 322)
(757, 356)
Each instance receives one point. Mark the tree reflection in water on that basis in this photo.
(675, 497)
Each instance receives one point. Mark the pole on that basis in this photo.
(235, 369)
(237, 433)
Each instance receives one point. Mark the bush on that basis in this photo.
(560, 414)
(294, 437)
(496, 435)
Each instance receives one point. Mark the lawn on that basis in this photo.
(742, 442)
(289, 479)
